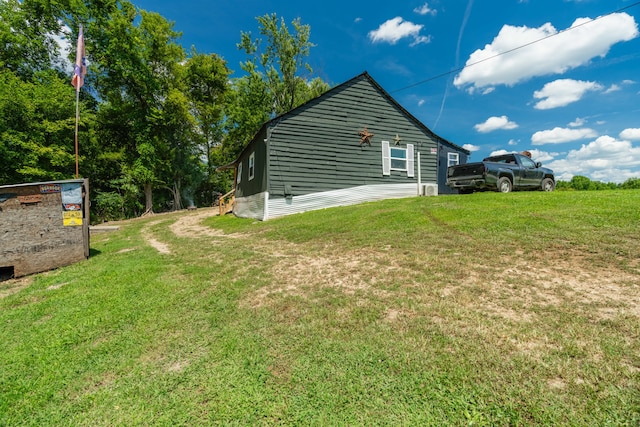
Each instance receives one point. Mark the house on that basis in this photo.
(43, 226)
(352, 144)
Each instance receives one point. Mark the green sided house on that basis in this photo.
(352, 144)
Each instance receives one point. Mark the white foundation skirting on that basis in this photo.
(259, 206)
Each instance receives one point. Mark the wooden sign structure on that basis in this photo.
(30, 199)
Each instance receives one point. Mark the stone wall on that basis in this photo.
(33, 234)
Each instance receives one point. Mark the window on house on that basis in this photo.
(453, 159)
(397, 159)
(252, 162)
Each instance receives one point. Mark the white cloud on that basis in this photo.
(542, 156)
(559, 135)
(577, 122)
(471, 147)
(613, 88)
(563, 92)
(495, 123)
(421, 102)
(606, 159)
(425, 10)
(358, 19)
(396, 29)
(631, 134)
(499, 153)
(513, 142)
(420, 39)
(557, 53)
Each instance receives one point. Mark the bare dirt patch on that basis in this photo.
(163, 248)
(514, 290)
(302, 275)
(569, 280)
(189, 225)
(13, 286)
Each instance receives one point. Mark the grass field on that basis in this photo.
(487, 309)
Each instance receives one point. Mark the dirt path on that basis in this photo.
(189, 225)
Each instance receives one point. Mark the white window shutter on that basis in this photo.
(410, 161)
(386, 158)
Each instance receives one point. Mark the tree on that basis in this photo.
(135, 68)
(206, 78)
(282, 62)
(37, 118)
(276, 80)
(25, 36)
(631, 184)
(176, 127)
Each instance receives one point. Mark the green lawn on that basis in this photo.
(487, 309)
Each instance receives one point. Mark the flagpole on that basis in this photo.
(76, 133)
(79, 70)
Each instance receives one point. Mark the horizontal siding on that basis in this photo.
(317, 148)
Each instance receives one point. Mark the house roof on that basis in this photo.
(328, 94)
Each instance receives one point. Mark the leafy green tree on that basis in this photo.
(631, 184)
(37, 119)
(280, 60)
(176, 126)
(206, 78)
(276, 80)
(26, 29)
(136, 58)
(580, 182)
(248, 106)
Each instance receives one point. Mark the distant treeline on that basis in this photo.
(579, 182)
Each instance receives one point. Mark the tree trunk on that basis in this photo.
(148, 199)
(177, 197)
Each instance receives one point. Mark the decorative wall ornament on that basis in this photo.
(365, 136)
(397, 139)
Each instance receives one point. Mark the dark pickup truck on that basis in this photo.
(502, 173)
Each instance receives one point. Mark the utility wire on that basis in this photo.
(455, 70)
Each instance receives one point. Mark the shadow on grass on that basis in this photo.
(93, 252)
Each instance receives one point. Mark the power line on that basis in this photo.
(455, 70)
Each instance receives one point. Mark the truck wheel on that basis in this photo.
(548, 184)
(504, 185)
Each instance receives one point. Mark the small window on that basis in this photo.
(252, 163)
(453, 159)
(397, 159)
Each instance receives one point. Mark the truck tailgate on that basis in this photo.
(466, 170)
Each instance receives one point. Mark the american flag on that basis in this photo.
(80, 67)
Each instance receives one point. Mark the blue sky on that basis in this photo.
(571, 96)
